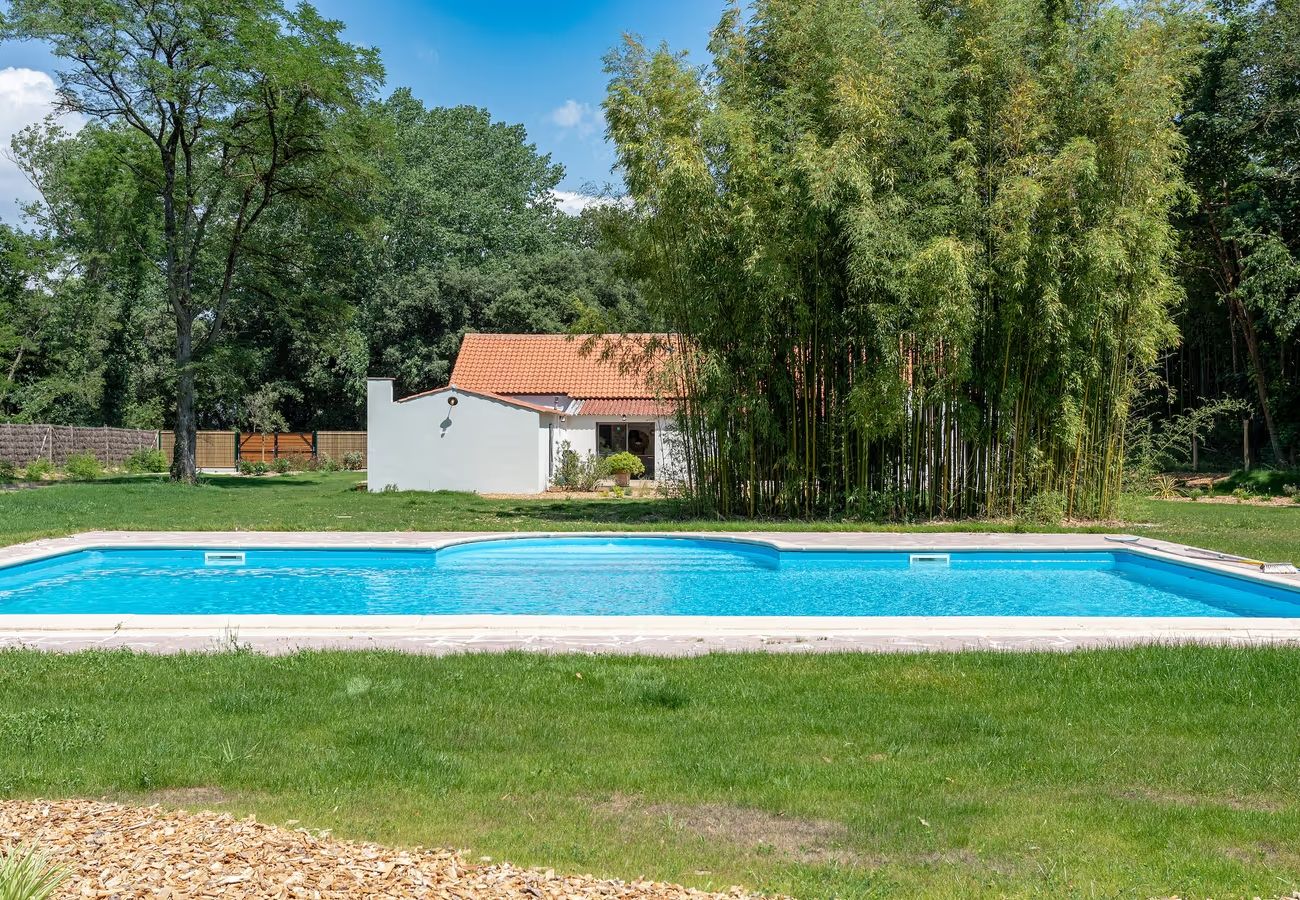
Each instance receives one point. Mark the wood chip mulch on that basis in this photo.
(137, 852)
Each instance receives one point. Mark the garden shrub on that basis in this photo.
(83, 466)
(1043, 508)
(625, 463)
(142, 462)
(251, 467)
(37, 469)
(577, 473)
(329, 464)
(281, 465)
(354, 460)
(8, 471)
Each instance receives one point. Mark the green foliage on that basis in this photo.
(83, 466)
(262, 408)
(1154, 446)
(281, 465)
(471, 240)
(236, 109)
(37, 469)
(252, 467)
(624, 463)
(145, 461)
(28, 874)
(1266, 482)
(8, 471)
(1166, 487)
(579, 473)
(1241, 246)
(914, 255)
(354, 460)
(1046, 508)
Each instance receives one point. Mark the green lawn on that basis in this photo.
(1142, 772)
(327, 502)
(1147, 772)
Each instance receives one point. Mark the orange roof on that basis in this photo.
(634, 406)
(615, 367)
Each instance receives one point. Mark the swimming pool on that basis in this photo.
(630, 576)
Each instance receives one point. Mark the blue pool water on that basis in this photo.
(632, 576)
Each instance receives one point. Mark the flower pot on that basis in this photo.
(622, 479)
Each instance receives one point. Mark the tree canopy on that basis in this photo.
(919, 255)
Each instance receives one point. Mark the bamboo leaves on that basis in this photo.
(927, 258)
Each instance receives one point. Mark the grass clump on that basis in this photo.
(28, 874)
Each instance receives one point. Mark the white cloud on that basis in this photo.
(574, 202)
(26, 96)
(575, 116)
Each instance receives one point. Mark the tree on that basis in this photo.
(918, 254)
(470, 239)
(262, 409)
(244, 104)
(1242, 237)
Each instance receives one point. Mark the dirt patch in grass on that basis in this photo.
(797, 839)
(1265, 853)
(1190, 801)
(111, 850)
(195, 799)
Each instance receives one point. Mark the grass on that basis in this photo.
(1264, 482)
(1142, 772)
(328, 502)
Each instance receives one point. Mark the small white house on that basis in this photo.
(513, 403)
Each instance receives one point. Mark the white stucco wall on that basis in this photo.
(480, 445)
(580, 432)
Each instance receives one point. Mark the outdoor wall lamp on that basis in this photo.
(452, 401)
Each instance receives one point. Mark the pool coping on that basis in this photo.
(665, 635)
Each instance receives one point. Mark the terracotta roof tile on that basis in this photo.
(555, 364)
(625, 406)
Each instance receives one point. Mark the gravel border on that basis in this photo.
(116, 851)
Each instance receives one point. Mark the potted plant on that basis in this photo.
(624, 466)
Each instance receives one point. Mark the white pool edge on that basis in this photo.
(669, 635)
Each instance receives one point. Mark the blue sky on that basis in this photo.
(536, 63)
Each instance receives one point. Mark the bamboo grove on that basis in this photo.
(916, 253)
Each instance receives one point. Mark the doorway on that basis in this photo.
(637, 438)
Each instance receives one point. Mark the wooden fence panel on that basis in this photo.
(254, 445)
(334, 444)
(212, 449)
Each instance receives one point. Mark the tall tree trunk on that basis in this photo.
(1261, 388)
(184, 467)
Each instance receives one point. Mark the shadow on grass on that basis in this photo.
(234, 482)
(215, 481)
(600, 511)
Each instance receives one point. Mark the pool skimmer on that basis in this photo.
(929, 560)
(224, 558)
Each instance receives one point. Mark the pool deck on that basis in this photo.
(659, 635)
